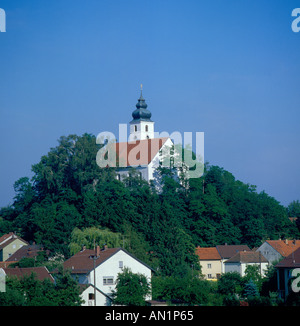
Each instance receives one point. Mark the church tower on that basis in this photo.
(141, 127)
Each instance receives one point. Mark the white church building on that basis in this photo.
(143, 151)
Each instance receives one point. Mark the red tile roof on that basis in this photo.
(42, 272)
(5, 236)
(210, 253)
(291, 261)
(284, 247)
(29, 251)
(81, 263)
(140, 152)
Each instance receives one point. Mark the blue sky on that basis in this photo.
(228, 68)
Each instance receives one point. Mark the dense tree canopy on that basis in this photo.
(69, 195)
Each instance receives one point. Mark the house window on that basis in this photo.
(118, 177)
(209, 275)
(120, 264)
(208, 265)
(91, 296)
(108, 280)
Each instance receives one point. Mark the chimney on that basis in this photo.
(286, 241)
(104, 246)
(98, 251)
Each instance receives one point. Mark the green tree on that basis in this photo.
(252, 272)
(89, 237)
(230, 283)
(250, 289)
(131, 289)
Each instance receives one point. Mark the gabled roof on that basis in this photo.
(210, 253)
(291, 261)
(11, 240)
(227, 251)
(284, 247)
(247, 257)
(81, 263)
(5, 237)
(83, 287)
(140, 152)
(42, 272)
(29, 251)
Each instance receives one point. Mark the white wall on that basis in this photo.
(141, 132)
(101, 299)
(241, 267)
(233, 267)
(269, 252)
(111, 268)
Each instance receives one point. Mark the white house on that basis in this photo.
(89, 293)
(227, 251)
(240, 261)
(108, 263)
(275, 250)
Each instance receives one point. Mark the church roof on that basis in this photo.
(141, 113)
(139, 152)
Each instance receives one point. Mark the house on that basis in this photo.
(285, 270)
(227, 251)
(105, 264)
(9, 244)
(210, 262)
(28, 251)
(275, 250)
(41, 273)
(88, 292)
(242, 259)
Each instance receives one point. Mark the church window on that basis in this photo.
(135, 128)
(146, 128)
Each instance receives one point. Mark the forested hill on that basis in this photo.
(69, 193)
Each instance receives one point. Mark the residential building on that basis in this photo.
(88, 294)
(41, 273)
(29, 251)
(9, 244)
(284, 273)
(242, 259)
(227, 251)
(210, 262)
(275, 250)
(105, 264)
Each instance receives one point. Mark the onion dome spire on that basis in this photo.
(141, 112)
